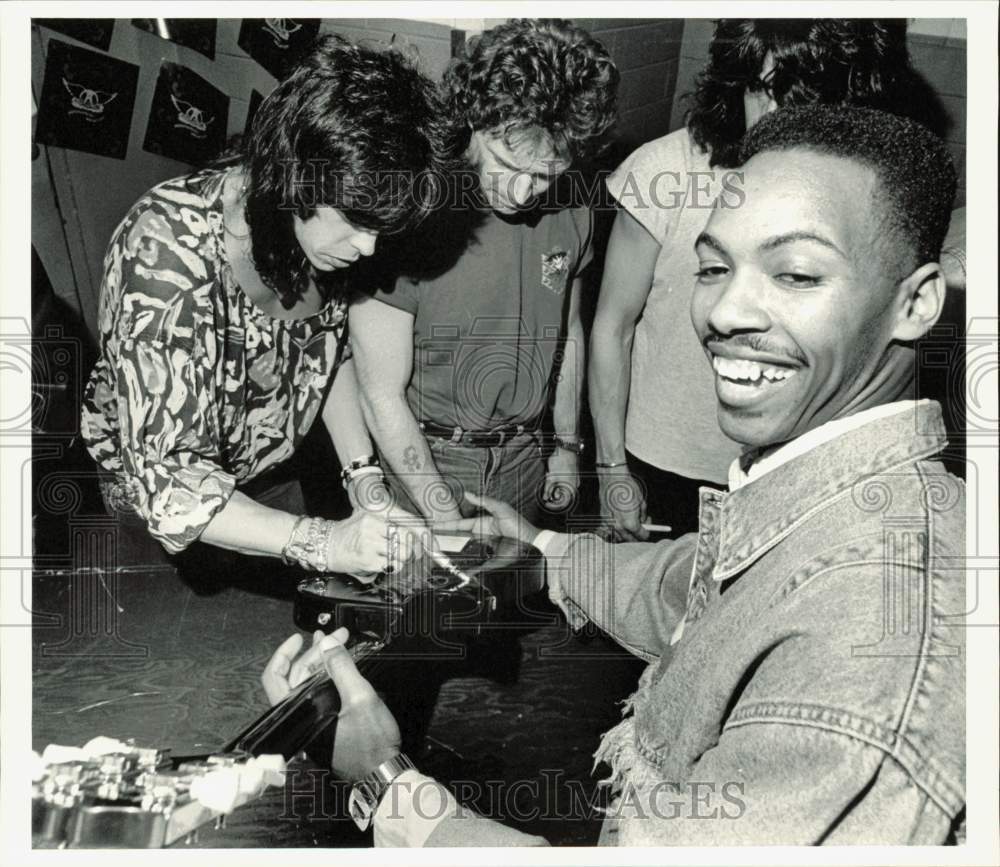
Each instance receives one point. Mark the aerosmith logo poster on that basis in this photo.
(93, 31)
(87, 100)
(276, 43)
(188, 117)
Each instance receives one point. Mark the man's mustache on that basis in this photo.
(755, 343)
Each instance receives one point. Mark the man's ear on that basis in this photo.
(920, 300)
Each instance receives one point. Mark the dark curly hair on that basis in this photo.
(527, 73)
(915, 174)
(826, 60)
(353, 128)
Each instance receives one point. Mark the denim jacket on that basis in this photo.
(806, 678)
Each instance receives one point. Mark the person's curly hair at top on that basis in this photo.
(861, 62)
(352, 128)
(535, 74)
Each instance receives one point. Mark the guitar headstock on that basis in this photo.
(131, 797)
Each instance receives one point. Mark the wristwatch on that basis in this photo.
(570, 444)
(367, 792)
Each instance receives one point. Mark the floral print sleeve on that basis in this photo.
(196, 389)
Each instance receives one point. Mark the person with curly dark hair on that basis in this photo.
(223, 314)
(458, 363)
(756, 65)
(651, 397)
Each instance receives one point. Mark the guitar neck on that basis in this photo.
(292, 724)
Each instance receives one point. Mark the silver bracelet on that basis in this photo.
(314, 556)
(321, 552)
(308, 543)
(291, 553)
(327, 536)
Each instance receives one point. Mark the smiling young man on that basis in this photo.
(806, 647)
(460, 360)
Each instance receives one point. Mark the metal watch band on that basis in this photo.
(366, 794)
(570, 444)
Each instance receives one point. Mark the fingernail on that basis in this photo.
(329, 642)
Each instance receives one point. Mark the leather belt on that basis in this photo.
(480, 439)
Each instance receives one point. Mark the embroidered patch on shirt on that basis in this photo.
(555, 269)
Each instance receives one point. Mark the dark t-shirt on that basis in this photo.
(486, 329)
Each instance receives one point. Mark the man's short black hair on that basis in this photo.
(915, 174)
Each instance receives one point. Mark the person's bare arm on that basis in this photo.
(382, 338)
(249, 527)
(357, 544)
(562, 478)
(343, 418)
(627, 278)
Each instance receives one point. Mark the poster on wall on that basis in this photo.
(87, 101)
(93, 31)
(194, 33)
(188, 117)
(276, 43)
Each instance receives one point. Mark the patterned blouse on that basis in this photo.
(197, 389)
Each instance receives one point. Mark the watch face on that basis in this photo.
(360, 810)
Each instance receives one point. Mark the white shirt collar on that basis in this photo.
(775, 457)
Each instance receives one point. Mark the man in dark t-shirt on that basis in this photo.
(457, 365)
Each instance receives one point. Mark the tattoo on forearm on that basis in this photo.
(411, 460)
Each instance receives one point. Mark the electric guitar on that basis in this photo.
(128, 797)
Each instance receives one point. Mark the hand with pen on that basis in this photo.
(622, 502)
(497, 519)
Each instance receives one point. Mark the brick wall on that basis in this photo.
(937, 49)
(646, 51)
(430, 42)
(941, 60)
